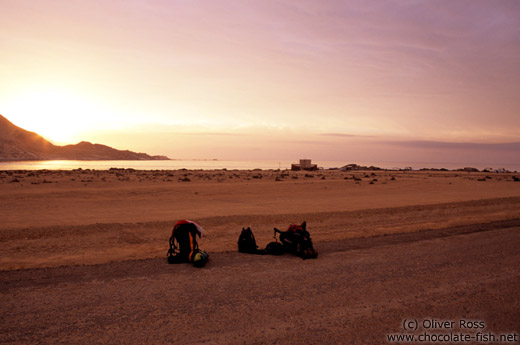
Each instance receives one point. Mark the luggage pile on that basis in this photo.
(296, 240)
(184, 248)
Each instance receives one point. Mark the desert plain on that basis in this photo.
(83, 256)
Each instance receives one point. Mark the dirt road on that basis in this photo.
(357, 292)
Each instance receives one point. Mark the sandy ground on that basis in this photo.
(82, 255)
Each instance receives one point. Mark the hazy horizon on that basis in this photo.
(354, 81)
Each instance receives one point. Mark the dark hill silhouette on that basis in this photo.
(17, 144)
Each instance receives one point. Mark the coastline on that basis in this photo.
(213, 164)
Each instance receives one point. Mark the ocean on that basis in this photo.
(233, 164)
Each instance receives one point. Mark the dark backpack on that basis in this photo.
(183, 242)
(274, 248)
(247, 242)
(297, 240)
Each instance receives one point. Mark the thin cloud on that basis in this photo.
(443, 145)
(345, 135)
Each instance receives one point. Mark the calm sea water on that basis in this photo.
(230, 165)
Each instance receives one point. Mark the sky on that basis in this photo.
(395, 80)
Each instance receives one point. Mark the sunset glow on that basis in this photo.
(266, 79)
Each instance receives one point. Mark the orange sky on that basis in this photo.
(268, 79)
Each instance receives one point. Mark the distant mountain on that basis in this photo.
(17, 144)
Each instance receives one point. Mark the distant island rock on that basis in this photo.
(18, 144)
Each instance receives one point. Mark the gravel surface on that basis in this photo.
(358, 291)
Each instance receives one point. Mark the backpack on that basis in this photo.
(297, 240)
(183, 242)
(274, 248)
(247, 242)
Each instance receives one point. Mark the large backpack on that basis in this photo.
(247, 242)
(183, 242)
(297, 240)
